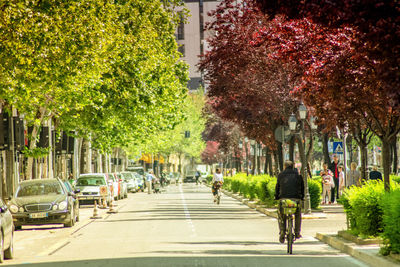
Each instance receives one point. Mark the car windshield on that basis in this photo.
(91, 181)
(38, 189)
(127, 175)
(68, 186)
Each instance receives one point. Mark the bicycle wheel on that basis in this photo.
(218, 196)
(290, 234)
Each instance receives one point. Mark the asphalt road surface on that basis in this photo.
(179, 227)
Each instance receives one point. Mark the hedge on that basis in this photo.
(262, 188)
(315, 190)
(391, 222)
(363, 206)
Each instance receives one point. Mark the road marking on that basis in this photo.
(187, 213)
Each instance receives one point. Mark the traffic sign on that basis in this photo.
(338, 148)
(282, 133)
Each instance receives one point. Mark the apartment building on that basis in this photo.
(191, 37)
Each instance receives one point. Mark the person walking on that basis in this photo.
(353, 176)
(149, 180)
(334, 167)
(327, 184)
(375, 174)
(197, 176)
(289, 185)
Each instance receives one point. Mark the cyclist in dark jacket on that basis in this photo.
(289, 184)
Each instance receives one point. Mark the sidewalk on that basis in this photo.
(329, 214)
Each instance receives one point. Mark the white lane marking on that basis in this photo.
(187, 213)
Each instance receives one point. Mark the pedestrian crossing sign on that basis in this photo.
(338, 147)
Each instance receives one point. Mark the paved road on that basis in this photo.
(179, 227)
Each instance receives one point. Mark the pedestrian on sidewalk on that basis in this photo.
(353, 176)
(334, 167)
(149, 180)
(375, 174)
(327, 184)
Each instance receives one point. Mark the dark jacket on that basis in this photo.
(332, 168)
(375, 175)
(290, 184)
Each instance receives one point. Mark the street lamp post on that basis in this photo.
(302, 110)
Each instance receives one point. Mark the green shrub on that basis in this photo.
(390, 204)
(209, 179)
(363, 208)
(315, 190)
(395, 178)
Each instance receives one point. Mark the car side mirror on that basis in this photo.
(77, 191)
(3, 209)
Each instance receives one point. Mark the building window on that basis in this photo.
(181, 27)
(181, 49)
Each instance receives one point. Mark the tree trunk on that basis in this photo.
(266, 161)
(303, 158)
(325, 150)
(280, 157)
(386, 162)
(364, 161)
(291, 149)
(180, 163)
(276, 163)
(395, 156)
(32, 144)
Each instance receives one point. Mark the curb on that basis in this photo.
(365, 253)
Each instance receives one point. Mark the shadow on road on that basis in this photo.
(254, 260)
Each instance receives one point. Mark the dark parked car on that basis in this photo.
(7, 233)
(190, 177)
(43, 201)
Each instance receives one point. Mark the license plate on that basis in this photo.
(38, 215)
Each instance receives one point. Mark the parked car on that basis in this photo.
(7, 232)
(137, 169)
(93, 187)
(190, 177)
(130, 180)
(115, 186)
(73, 193)
(123, 191)
(203, 176)
(43, 201)
(139, 180)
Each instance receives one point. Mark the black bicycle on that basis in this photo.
(217, 196)
(289, 209)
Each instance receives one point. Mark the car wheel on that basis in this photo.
(18, 227)
(1, 248)
(71, 220)
(9, 253)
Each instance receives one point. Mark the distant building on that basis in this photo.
(191, 37)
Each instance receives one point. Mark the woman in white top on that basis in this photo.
(217, 182)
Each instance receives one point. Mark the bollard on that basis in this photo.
(112, 210)
(95, 212)
(104, 204)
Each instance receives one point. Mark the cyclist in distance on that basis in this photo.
(217, 182)
(289, 185)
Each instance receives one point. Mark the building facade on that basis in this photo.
(192, 37)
